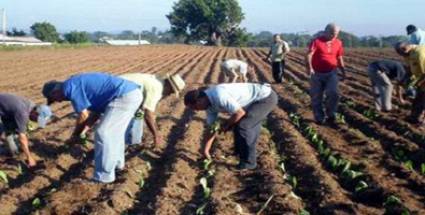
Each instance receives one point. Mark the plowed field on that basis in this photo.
(373, 163)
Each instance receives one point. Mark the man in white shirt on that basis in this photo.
(276, 56)
(233, 69)
(247, 104)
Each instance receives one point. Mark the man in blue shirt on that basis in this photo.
(248, 105)
(105, 98)
(416, 35)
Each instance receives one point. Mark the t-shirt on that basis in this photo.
(393, 69)
(417, 37)
(416, 61)
(152, 88)
(94, 91)
(325, 54)
(228, 98)
(14, 112)
(278, 50)
(233, 64)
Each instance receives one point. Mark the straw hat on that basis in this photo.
(177, 83)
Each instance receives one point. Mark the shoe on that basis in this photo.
(244, 166)
(331, 121)
(320, 122)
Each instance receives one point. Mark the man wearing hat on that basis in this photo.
(99, 97)
(153, 89)
(16, 114)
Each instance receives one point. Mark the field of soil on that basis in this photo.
(373, 163)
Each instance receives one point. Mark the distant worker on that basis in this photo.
(415, 58)
(416, 35)
(323, 61)
(381, 72)
(17, 114)
(153, 89)
(234, 69)
(276, 56)
(99, 97)
(248, 106)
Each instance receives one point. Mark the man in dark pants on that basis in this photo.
(276, 56)
(323, 61)
(248, 104)
(415, 58)
(16, 113)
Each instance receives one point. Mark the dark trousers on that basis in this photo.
(278, 69)
(418, 106)
(247, 131)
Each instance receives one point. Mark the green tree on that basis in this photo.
(210, 20)
(45, 31)
(16, 32)
(77, 37)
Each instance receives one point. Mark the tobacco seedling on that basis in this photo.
(423, 169)
(215, 127)
(409, 165)
(84, 139)
(36, 203)
(19, 169)
(3, 177)
(303, 212)
(340, 118)
(361, 186)
(201, 209)
(351, 174)
(141, 181)
(206, 189)
(206, 163)
(292, 181)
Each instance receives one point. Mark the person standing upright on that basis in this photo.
(323, 61)
(416, 35)
(276, 56)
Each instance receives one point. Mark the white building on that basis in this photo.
(22, 41)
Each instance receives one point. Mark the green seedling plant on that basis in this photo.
(36, 203)
(423, 168)
(392, 202)
(340, 118)
(292, 181)
(361, 186)
(141, 181)
(206, 189)
(371, 114)
(303, 212)
(84, 139)
(206, 164)
(215, 127)
(3, 177)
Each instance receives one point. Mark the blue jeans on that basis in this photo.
(134, 133)
(110, 134)
(324, 84)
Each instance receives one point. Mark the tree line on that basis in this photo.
(206, 22)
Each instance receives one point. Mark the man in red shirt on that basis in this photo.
(324, 59)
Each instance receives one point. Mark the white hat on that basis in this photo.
(177, 83)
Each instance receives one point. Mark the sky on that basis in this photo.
(361, 17)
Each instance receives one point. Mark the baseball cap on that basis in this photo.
(44, 115)
(48, 88)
